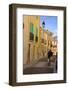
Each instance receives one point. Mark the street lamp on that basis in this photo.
(43, 24)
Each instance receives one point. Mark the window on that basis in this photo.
(31, 28)
(31, 31)
(45, 42)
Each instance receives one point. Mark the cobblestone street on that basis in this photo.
(41, 67)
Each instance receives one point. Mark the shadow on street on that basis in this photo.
(41, 67)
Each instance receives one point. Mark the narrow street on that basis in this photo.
(41, 67)
(41, 38)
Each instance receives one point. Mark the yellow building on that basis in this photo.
(31, 38)
(43, 42)
(49, 39)
(46, 40)
(52, 42)
(54, 46)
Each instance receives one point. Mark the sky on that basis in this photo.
(50, 23)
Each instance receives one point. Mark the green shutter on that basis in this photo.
(31, 28)
(31, 31)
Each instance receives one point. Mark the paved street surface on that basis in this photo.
(41, 67)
